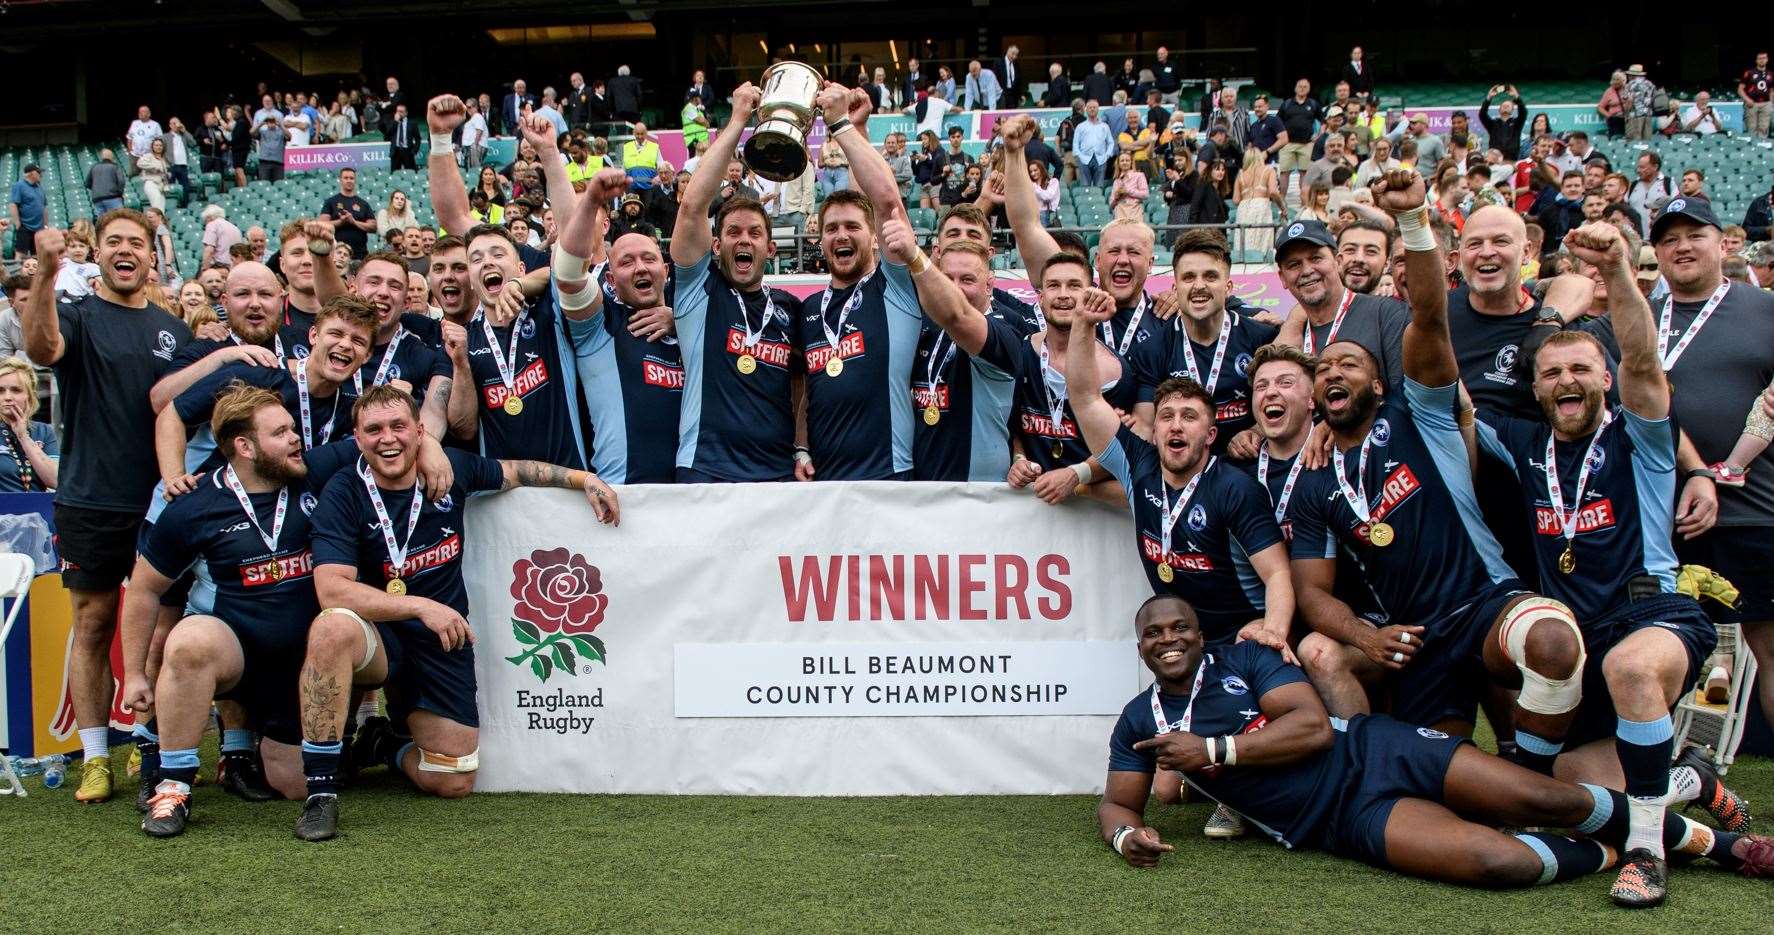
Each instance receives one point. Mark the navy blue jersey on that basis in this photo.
(1227, 519)
(330, 415)
(734, 426)
(346, 530)
(635, 390)
(425, 328)
(414, 361)
(1031, 411)
(296, 323)
(193, 351)
(859, 423)
(1139, 318)
(1022, 316)
(972, 395)
(1165, 355)
(547, 426)
(1419, 482)
(1626, 520)
(1290, 802)
(1350, 587)
(1488, 348)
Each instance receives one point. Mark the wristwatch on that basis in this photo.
(1692, 473)
(1549, 315)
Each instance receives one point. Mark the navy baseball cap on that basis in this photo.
(1698, 210)
(1304, 232)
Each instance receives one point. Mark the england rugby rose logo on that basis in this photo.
(560, 601)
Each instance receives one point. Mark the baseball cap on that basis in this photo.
(1697, 210)
(1647, 263)
(1419, 117)
(1304, 232)
(631, 198)
(1335, 111)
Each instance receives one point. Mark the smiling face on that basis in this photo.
(1123, 261)
(1571, 382)
(388, 435)
(1062, 288)
(846, 241)
(1690, 255)
(1491, 250)
(637, 270)
(1183, 429)
(743, 244)
(449, 281)
(338, 348)
(192, 298)
(493, 266)
(1308, 271)
(1204, 282)
(1281, 395)
(1347, 387)
(273, 447)
(1361, 259)
(383, 284)
(1169, 639)
(124, 253)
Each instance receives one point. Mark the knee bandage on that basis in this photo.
(369, 637)
(440, 763)
(570, 270)
(1540, 694)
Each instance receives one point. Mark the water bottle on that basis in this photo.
(55, 769)
(26, 766)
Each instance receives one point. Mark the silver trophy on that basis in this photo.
(777, 149)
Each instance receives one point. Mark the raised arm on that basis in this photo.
(869, 171)
(1643, 387)
(941, 299)
(41, 326)
(540, 132)
(690, 236)
(580, 296)
(1021, 206)
(449, 198)
(1428, 349)
(463, 408)
(328, 281)
(1097, 420)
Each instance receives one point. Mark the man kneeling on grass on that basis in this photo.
(1246, 729)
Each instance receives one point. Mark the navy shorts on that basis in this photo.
(1447, 676)
(1676, 613)
(267, 689)
(1744, 554)
(1387, 760)
(423, 677)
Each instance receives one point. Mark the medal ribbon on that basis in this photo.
(933, 369)
(752, 339)
(246, 503)
(1133, 327)
(1357, 495)
(506, 362)
(308, 434)
(825, 301)
(382, 368)
(1219, 355)
(276, 342)
(397, 552)
(1173, 513)
(1189, 711)
(1336, 323)
(1056, 399)
(1287, 486)
(1670, 355)
(1567, 522)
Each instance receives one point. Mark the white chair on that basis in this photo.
(1713, 726)
(16, 574)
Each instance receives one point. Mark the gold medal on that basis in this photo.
(1567, 562)
(276, 572)
(1166, 574)
(1059, 449)
(396, 587)
(747, 363)
(834, 366)
(513, 405)
(932, 415)
(1380, 534)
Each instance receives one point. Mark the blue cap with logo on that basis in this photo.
(1304, 232)
(1698, 210)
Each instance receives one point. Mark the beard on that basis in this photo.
(278, 470)
(1584, 421)
(1360, 278)
(1363, 403)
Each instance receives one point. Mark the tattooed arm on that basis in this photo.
(435, 412)
(542, 474)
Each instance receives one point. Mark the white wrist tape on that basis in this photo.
(1231, 758)
(802, 456)
(1120, 841)
(1413, 229)
(442, 143)
(569, 270)
(1213, 750)
(1082, 469)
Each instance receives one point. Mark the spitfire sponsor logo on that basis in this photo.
(528, 379)
(258, 574)
(849, 346)
(1231, 410)
(438, 555)
(1399, 487)
(773, 353)
(1042, 424)
(661, 374)
(923, 396)
(1181, 561)
(1596, 515)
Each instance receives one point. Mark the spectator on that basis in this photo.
(1569, 152)
(1315, 203)
(142, 131)
(397, 216)
(491, 184)
(929, 167)
(1735, 238)
(194, 305)
(549, 110)
(1236, 119)
(15, 291)
(1299, 118)
(337, 124)
(404, 136)
(797, 200)
(301, 129)
(602, 112)
(514, 106)
(1208, 205)
(1218, 146)
(945, 79)
(1046, 193)
(1062, 139)
(914, 84)
(1504, 129)
(76, 274)
(1761, 266)
(640, 158)
(693, 117)
(105, 184)
(1010, 78)
(1127, 198)
(1319, 172)
(1166, 77)
(1093, 145)
(1758, 220)
(1179, 190)
(1256, 194)
(1612, 107)
(1699, 117)
(1379, 162)
(576, 105)
(928, 112)
(272, 138)
(1693, 185)
(1332, 129)
(1754, 88)
(258, 244)
(898, 160)
(834, 172)
(1640, 103)
(1356, 74)
(699, 88)
(219, 234)
(625, 95)
(1565, 213)
(982, 91)
(352, 217)
(880, 93)
(1097, 85)
(1138, 141)
(957, 154)
(474, 135)
(153, 169)
(1115, 115)
(1430, 149)
(240, 136)
(1127, 80)
(1059, 88)
(1156, 115)
(1266, 130)
(1652, 189)
(1037, 150)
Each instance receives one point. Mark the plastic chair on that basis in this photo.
(16, 574)
(1720, 728)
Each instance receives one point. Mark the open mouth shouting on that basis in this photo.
(1337, 398)
(450, 294)
(1121, 277)
(1272, 414)
(843, 251)
(491, 282)
(1569, 404)
(744, 263)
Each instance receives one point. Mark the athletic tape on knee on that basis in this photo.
(439, 763)
(369, 636)
(570, 270)
(1540, 694)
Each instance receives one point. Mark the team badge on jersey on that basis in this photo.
(1198, 518)
(1431, 734)
(1381, 433)
(308, 502)
(1595, 460)
(1242, 365)
(165, 345)
(444, 504)
(1233, 685)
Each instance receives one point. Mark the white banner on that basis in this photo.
(801, 639)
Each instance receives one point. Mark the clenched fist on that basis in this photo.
(445, 113)
(1399, 191)
(1598, 244)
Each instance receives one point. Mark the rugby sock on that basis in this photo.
(320, 764)
(1703, 841)
(400, 753)
(95, 741)
(1685, 785)
(147, 741)
(368, 707)
(1535, 752)
(1645, 749)
(179, 766)
(237, 740)
(1564, 858)
(1608, 820)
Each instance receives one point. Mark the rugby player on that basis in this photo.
(1245, 728)
(1398, 495)
(388, 572)
(968, 222)
(1598, 484)
(1306, 257)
